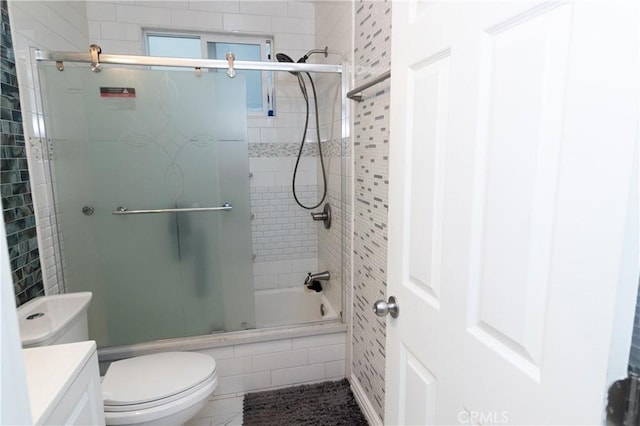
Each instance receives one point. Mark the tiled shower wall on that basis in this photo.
(372, 56)
(59, 25)
(284, 237)
(334, 29)
(117, 27)
(15, 185)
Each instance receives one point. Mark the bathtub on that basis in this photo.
(286, 306)
(283, 313)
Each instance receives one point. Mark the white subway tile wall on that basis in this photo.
(270, 365)
(281, 230)
(334, 29)
(283, 273)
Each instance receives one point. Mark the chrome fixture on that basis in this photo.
(382, 308)
(61, 57)
(88, 210)
(123, 210)
(312, 282)
(356, 94)
(231, 58)
(324, 51)
(283, 57)
(324, 216)
(95, 51)
(324, 276)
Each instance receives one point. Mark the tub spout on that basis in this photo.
(324, 276)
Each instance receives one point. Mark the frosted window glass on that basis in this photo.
(177, 47)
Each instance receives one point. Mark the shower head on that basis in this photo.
(282, 57)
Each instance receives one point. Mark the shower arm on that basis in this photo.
(324, 51)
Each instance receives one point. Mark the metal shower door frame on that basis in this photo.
(95, 58)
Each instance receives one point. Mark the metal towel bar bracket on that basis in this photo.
(356, 94)
(122, 210)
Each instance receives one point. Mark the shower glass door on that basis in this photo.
(146, 139)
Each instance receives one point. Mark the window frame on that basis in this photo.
(264, 41)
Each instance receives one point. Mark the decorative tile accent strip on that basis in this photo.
(371, 174)
(282, 149)
(270, 150)
(331, 148)
(17, 203)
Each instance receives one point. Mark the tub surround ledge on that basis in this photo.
(219, 340)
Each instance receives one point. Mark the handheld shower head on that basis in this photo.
(281, 57)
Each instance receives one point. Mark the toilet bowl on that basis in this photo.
(164, 388)
(159, 389)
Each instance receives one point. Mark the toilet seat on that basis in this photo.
(161, 401)
(148, 387)
(166, 414)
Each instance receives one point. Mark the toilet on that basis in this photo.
(164, 388)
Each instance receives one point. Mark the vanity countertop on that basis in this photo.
(50, 371)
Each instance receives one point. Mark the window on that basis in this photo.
(211, 46)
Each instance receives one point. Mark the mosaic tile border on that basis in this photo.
(270, 150)
(330, 148)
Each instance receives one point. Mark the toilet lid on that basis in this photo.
(151, 377)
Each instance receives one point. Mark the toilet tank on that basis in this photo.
(53, 320)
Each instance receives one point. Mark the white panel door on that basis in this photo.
(512, 166)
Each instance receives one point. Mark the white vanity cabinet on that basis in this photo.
(64, 384)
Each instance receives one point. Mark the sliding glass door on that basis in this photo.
(127, 141)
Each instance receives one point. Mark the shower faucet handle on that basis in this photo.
(324, 215)
(319, 216)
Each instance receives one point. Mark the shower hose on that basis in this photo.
(303, 89)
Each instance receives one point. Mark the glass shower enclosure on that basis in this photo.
(151, 180)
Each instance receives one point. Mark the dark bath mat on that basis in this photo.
(328, 403)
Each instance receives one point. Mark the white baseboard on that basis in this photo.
(363, 402)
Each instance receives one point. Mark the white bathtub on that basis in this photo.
(285, 306)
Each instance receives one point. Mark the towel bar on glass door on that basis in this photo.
(123, 210)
